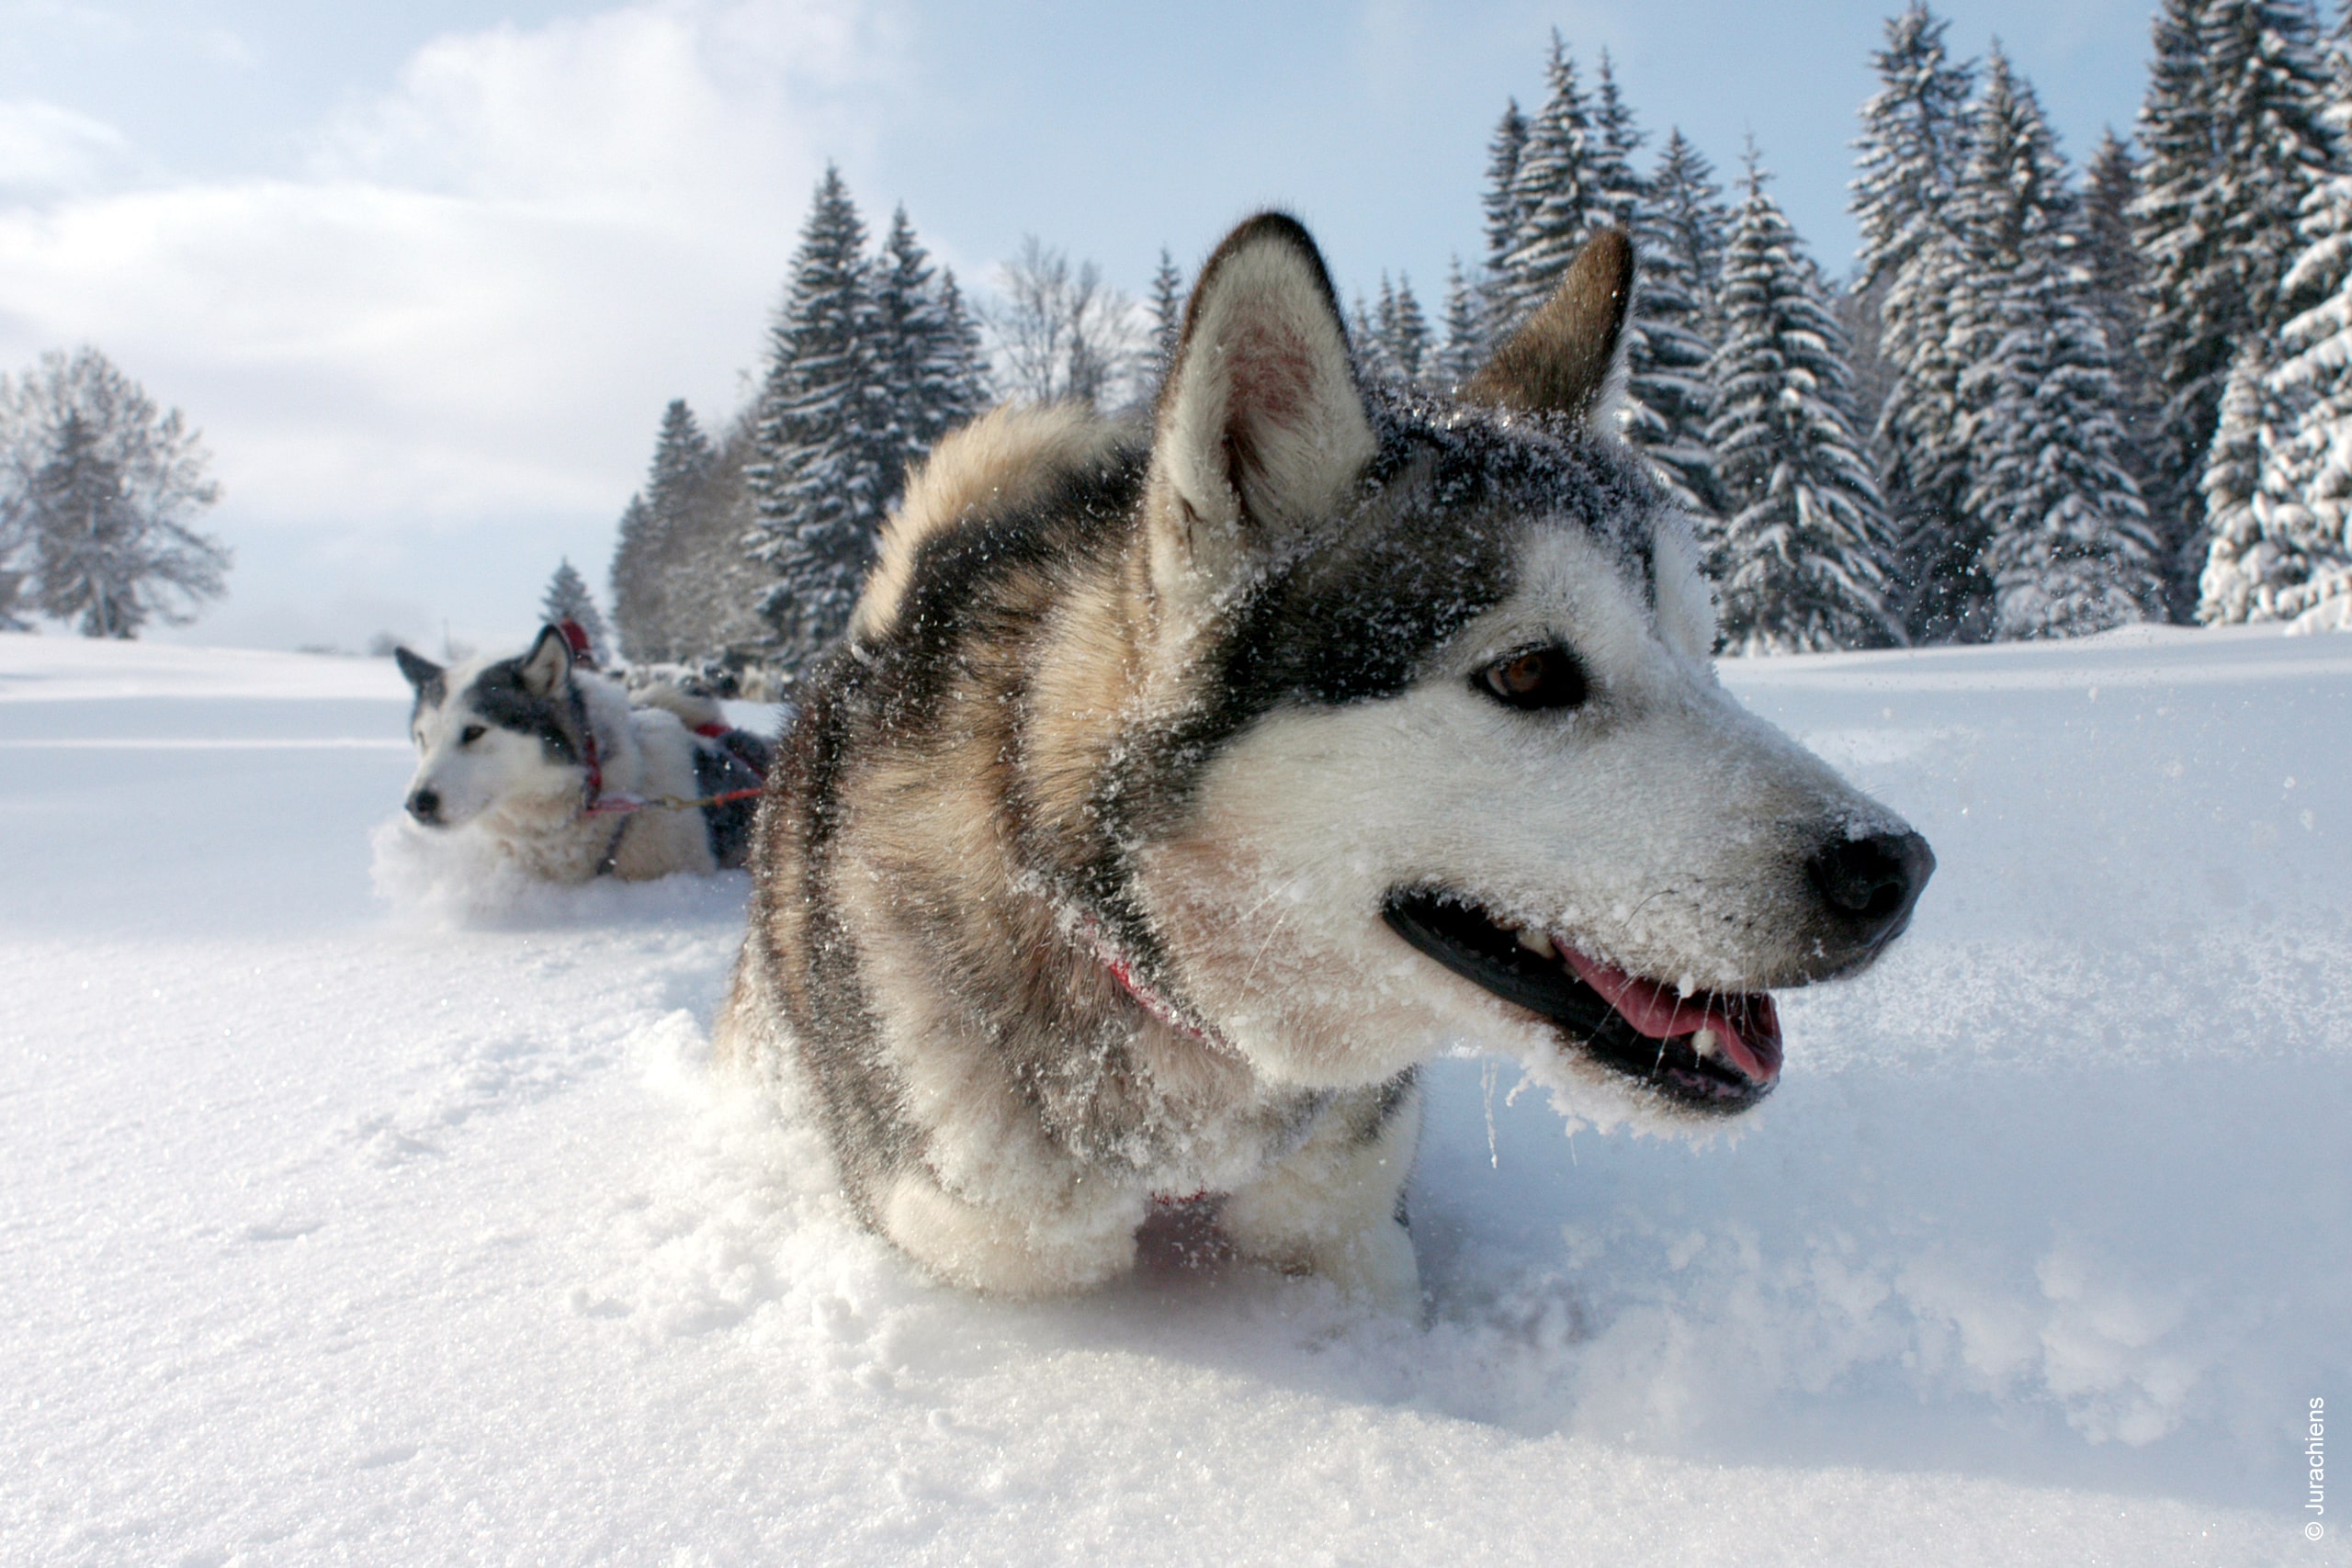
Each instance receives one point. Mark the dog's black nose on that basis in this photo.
(425, 805)
(1871, 883)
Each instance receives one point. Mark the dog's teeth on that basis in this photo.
(1704, 1043)
(1684, 987)
(1535, 940)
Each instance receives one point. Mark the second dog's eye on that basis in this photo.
(1536, 678)
(471, 733)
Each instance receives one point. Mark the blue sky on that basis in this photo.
(425, 273)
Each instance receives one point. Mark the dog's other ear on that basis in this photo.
(421, 673)
(1562, 360)
(1262, 428)
(548, 663)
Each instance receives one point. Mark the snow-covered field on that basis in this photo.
(410, 1229)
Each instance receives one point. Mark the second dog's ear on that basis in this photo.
(420, 673)
(548, 663)
(1262, 429)
(1561, 361)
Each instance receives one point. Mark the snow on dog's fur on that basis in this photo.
(523, 751)
(1171, 801)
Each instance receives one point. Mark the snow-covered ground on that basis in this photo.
(415, 1230)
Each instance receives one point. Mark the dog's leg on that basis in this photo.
(1335, 1205)
(1082, 1242)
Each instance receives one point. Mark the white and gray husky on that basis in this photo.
(1177, 793)
(572, 780)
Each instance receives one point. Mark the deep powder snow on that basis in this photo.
(409, 1225)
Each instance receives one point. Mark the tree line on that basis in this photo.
(2045, 402)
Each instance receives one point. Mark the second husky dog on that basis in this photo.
(1172, 800)
(554, 764)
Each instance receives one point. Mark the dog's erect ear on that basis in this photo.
(548, 663)
(1561, 361)
(1262, 429)
(422, 673)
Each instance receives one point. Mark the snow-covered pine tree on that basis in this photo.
(827, 459)
(1668, 401)
(1798, 565)
(1167, 306)
(636, 583)
(2281, 544)
(1364, 341)
(1552, 193)
(646, 613)
(927, 355)
(1688, 222)
(568, 599)
(1464, 351)
(1915, 131)
(100, 486)
(960, 352)
(1915, 137)
(1403, 331)
(1505, 218)
(1618, 192)
(2111, 181)
(2050, 508)
(2235, 143)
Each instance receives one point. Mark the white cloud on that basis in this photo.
(476, 298)
(45, 149)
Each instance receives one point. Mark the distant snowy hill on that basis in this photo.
(410, 1227)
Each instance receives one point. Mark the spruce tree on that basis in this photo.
(2283, 534)
(1505, 218)
(924, 350)
(2050, 509)
(648, 603)
(1465, 349)
(1552, 195)
(1798, 563)
(2235, 144)
(1914, 132)
(828, 456)
(1167, 306)
(1618, 193)
(1668, 401)
(1915, 137)
(2110, 182)
(568, 599)
(1401, 332)
(961, 357)
(1688, 225)
(639, 606)
(1371, 353)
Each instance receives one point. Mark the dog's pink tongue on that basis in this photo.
(1752, 1042)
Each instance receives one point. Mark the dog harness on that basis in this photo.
(732, 773)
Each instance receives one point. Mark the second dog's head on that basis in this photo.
(495, 732)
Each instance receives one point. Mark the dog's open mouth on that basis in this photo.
(1709, 1049)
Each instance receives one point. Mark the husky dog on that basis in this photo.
(1172, 798)
(551, 761)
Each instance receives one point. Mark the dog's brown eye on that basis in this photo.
(471, 734)
(1537, 678)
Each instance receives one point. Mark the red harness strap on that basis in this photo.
(1122, 969)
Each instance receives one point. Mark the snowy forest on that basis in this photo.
(2045, 402)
